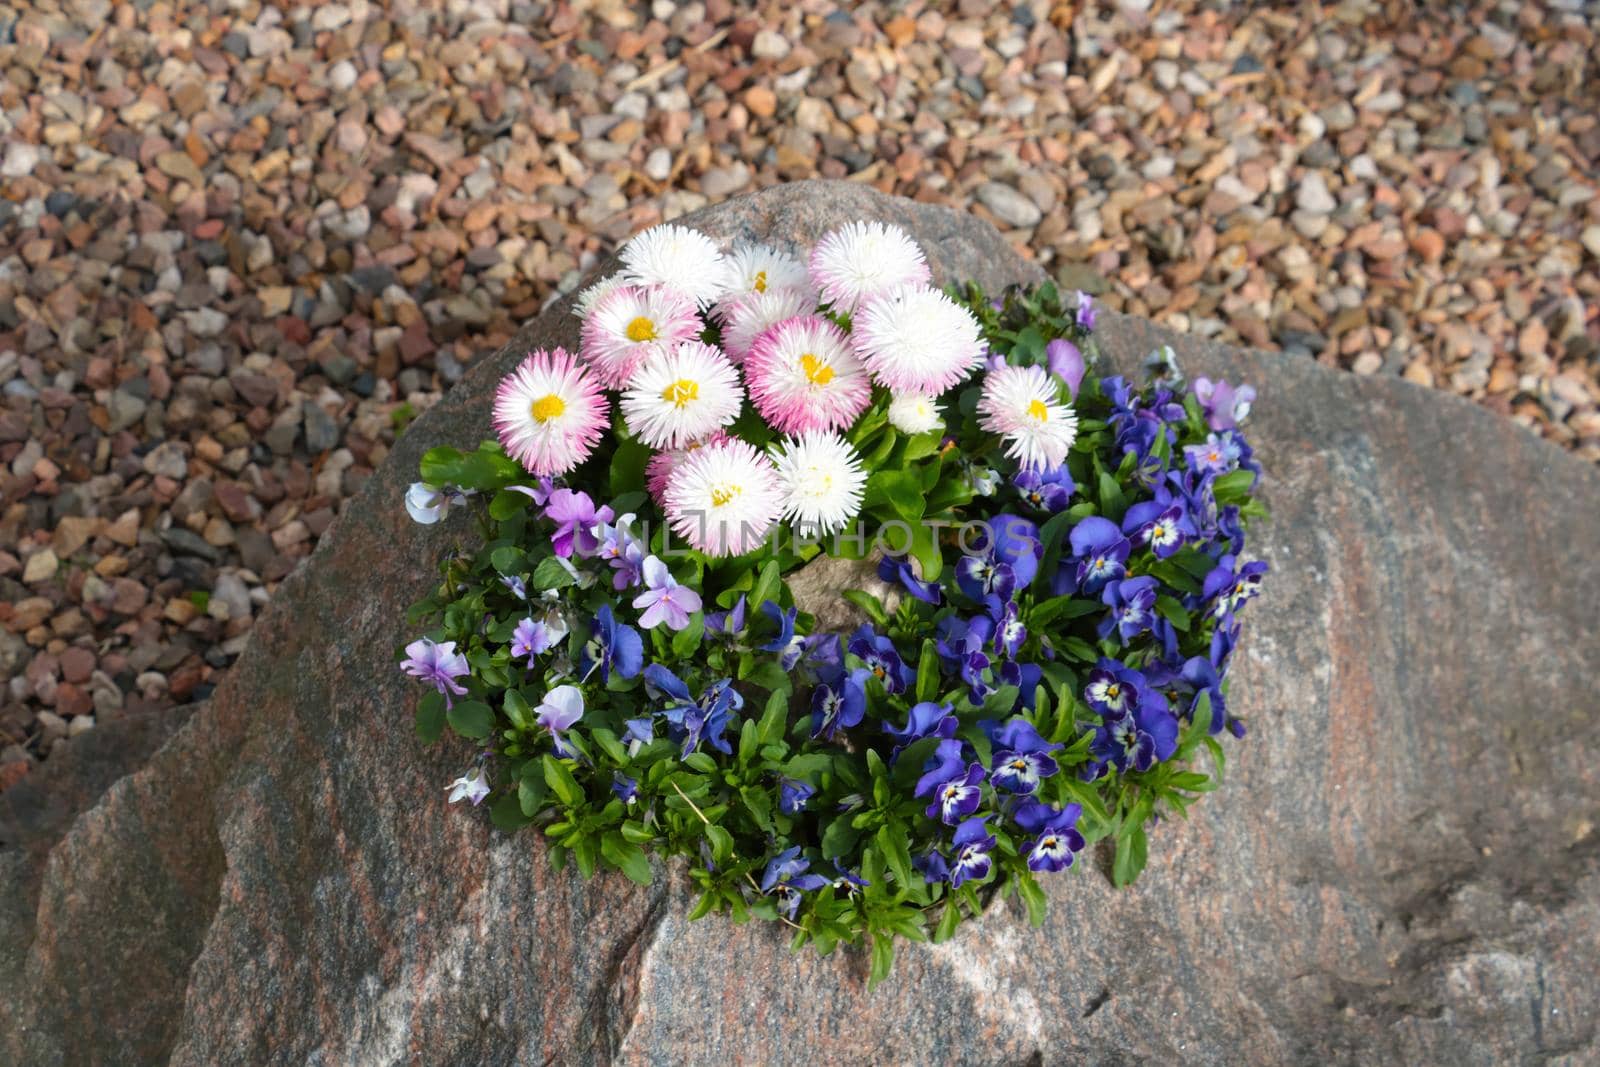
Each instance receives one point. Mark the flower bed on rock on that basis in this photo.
(1043, 666)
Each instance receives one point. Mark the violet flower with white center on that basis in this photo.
(437, 663)
(472, 786)
(664, 600)
(518, 587)
(534, 637)
(973, 844)
(575, 517)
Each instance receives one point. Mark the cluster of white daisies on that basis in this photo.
(783, 347)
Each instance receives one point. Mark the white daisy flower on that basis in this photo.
(822, 482)
(631, 321)
(681, 394)
(549, 413)
(917, 340)
(758, 268)
(724, 498)
(747, 318)
(914, 413)
(679, 259)
(587, 298)
(865, 260)
(1024, 406)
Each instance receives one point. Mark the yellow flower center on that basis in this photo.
(641, 329)
(548, 407)
(817, 372)
(1112, 692)
(680, 392)
(722, 494)
(760, 284)
(1037, 410)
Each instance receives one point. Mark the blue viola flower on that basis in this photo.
(933, 865)
(1113, 689)
(1009, 632)
(1057, 841)
(518, 587)
(1138, 741)
(693, 722)
(784, 641)
(975, 672)
(1100, 551)
(1021, 757)
(1086, 311)
(926, 719)
(973, 843)
(878, 653)
(1133, 607)
(612, 646)
(1228, 589)
(947, 762)
(1223, 638)
(626, 789)
(983, 578)
(1218, 455)
(793, 794)
(1047, 491)
(849, 881)
(1025, 676)
(899, 570)
(786, 879)
(728, 624)
(958, 797)
(1014, 541)
(1162, 525)
(1199, 677)
(838, 701)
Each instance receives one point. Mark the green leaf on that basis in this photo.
(1061, 607)
(1131, 856)
(773, 719)
(899, 490)
(897, 853)
(839, 838)
(767, 585)
(430, 717)
(1112, 503)
(749, 741)
(882, 959)
(921, 446)
(1032, 894)
(518, 711)
(1173, 612)
(561, 782)
(721, 843)
(508, 559)
(701, 762)
(1233, 487)
(531, 793)
(928, 671)
(947, 922)
(1080, 650)
(613, 748)
(471, 718)
(626, 857)
(870, 605)
(507, 503)
(1052, 535)
(687, 640)
(770, 676)
(550, 574)
(627, 468)
(506, 813)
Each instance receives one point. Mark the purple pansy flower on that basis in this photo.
(518, 587)
(894, 569)
(1228, 589)
(926, 719)
(1113, 690)
(575, 517)
(948, 761)
(1057, 840)
(1137, 741)
(689, 721)
(786, 879)
(622, 550)
(1101, 553)
(1133, 608)
(1021, 757)
(958, 797)
(973, 843)
(1066, 362)
(437, 663)
(793, 794)
(1163, 525)
(877, 653)
(729, 624)
(1086, 311)
(1225, 406)
(1218, 455)
(839, 701)
(626, 789)
(1009, 632)
(933, 865)
(664, 600)
(612, 646)
(1048, 491)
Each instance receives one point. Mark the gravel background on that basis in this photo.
(242, 244)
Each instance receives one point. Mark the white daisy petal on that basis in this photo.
(748, 317)
(822, 482)
(723, 498)
(679, 259)
(758, 268)
(1024, 406)
(914, 413)
(681, 394)
(917, 340)
(865, 260)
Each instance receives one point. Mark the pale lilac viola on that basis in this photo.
(561, 708)
(1226, 406)
(1086, 310)
(664, 600)
(534, 637)
(471, 787)
(438, 664)
(1066, 362)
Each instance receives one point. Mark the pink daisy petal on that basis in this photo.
(630, 322)
(549, 413)
(803, 375)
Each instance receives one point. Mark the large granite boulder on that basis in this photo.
(1402, 868)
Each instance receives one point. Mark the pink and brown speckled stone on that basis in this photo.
(1403, 866)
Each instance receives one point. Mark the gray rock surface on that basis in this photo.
(1403, 866)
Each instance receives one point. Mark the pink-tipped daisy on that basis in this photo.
(917, 340)
(677, 258)
(758, 268)
(548, 413)
(724, 498)
(803, 376)
(1024, 406)
(745, 319)
(822, 482)
(628, 323)
(865, 260)
(662, 464)
(681, 394)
